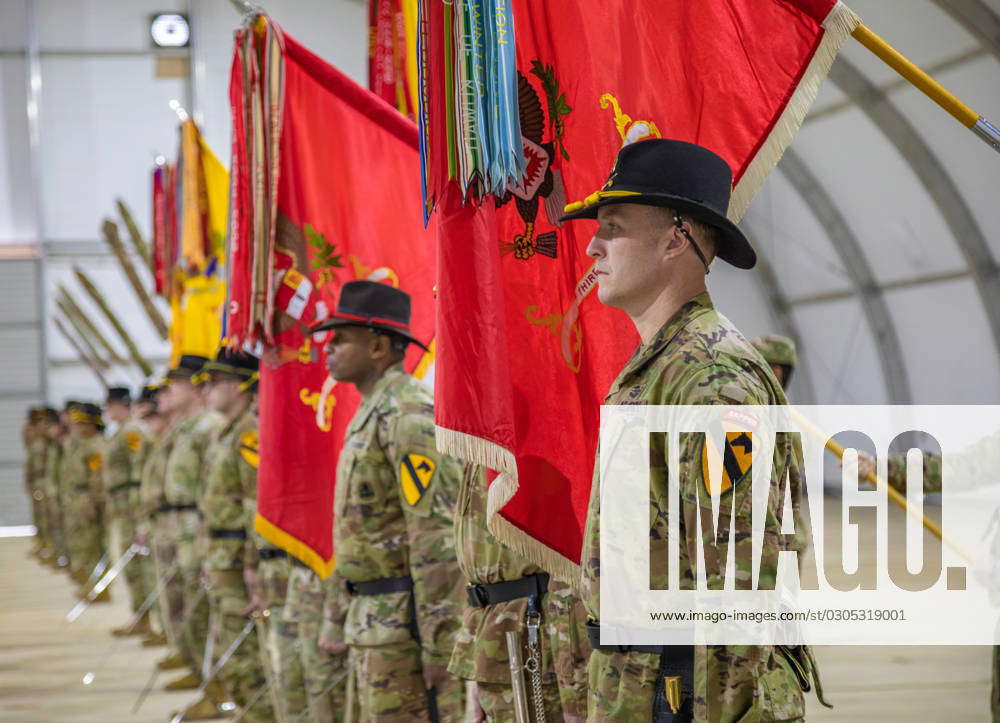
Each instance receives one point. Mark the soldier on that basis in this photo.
(178, 519)
(324, 663)
(652, 250)
(393, 521)
(228, 506)
(509, 593)
(83, 494)
(36, 443)
(779, 352)
(126, 450)
(58, 433)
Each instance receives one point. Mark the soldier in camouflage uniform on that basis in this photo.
(83, 494)
(178, 518)
(509, 593)
(779, 352)
(36, 439)
(57, 431)
(228, 505)
(308, 608)
(650, 265)
(393, 521)
(126, 451)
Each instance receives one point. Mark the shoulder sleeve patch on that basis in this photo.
(95, 462)
(133, 441)
(250, 448)
(736, 461)
(415, 473)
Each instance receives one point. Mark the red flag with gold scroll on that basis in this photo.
(347, 206)
(736, 76)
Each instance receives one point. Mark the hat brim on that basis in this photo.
(334, 321)
(733, 247)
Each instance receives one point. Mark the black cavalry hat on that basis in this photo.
(374, 305)
(187, 366)
(119, 394)
(674, 174)
(233, 363)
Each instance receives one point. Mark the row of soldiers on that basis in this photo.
(413, 623)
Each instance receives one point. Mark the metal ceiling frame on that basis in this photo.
(935, 179)
(977, 19)
(848, 248)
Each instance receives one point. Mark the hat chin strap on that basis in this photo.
(679, 223)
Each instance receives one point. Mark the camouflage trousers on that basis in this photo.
(135, 578)
(40, 517)
(193, 624)
(54, 522)
(283, 664)
(751, 685)
(497, 701)
(565, 623)
(84, 540)
(243, 675)
(170, 603)
(325, 675)
(389, 685)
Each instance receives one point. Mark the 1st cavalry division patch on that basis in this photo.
(250, 448)
(415, 472)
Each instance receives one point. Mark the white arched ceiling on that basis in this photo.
(916, 300)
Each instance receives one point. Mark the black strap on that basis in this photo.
(272, 553)
(380, 586)
(124, 486)
(297, 561)
(81, 488)
(223, 534)
(676, 661)
(176, 508)
(482, 594)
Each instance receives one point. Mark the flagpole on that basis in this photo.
(972, 120)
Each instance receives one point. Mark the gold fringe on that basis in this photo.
(495, 457)
(838, 26)
(279, 538)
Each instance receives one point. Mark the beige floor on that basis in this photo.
(43, 661)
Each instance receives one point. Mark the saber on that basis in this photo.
(102, 585)
(223, 659)
(250, 703)
(99, 569)
(206, 658)
(143, 609)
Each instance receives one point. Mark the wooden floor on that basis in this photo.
(43, 661)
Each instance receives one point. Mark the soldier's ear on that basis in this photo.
(380, 347)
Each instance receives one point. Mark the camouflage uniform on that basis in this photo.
(309, 609)
(183, 485)
(228, 504)
(697, 357)
(481, 647)
(34, 475)
(49, 484)
(158, 525)
(83, 495)
(393, 518)
(126, 451)
(280, 639)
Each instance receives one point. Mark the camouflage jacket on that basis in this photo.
(393, 516)
(699, 357)
(154, 470)
(184, 481)
(34, 464)
(968, 468)
(481, 646)
(82, 478)
(229, 501)
(53, 461)
(123, 467)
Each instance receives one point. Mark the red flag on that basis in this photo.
(736, 76)
(347, 207)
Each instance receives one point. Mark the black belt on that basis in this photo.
(176, 508)
(270, 553)
(297, 561)
(676, 668)
(81, 488)
(380, 586)
(482, 594)
(221, 534)
(124, 486)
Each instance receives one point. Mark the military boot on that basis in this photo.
(141, 627)
(174, 661)
(188, 681)
(204, 709)
(154, 640)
